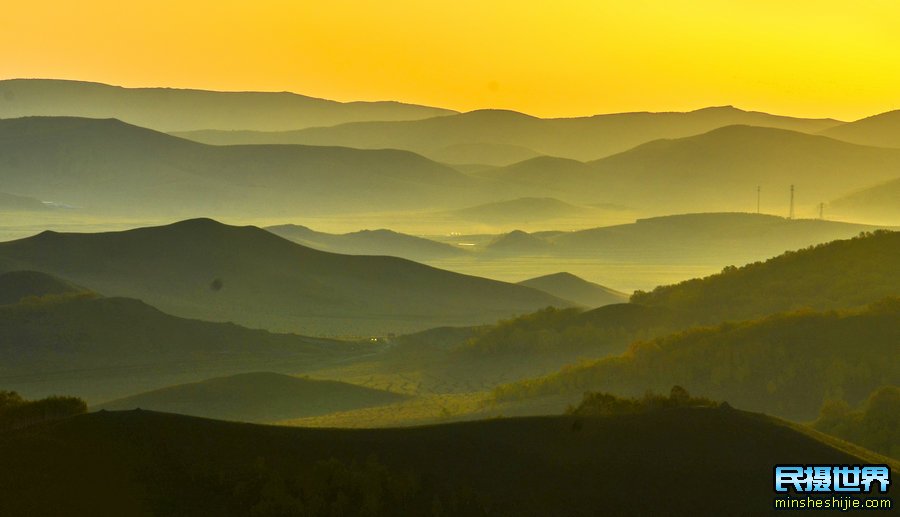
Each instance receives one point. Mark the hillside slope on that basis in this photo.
(174, 465)
(368, 242)
(207, 270)
(256, 397)
(171, 109)
(570, 287)
(877, 204)
(16, 285)
(882, 130)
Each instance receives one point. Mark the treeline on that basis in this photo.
(840, 274)
(16, 412)
(785, 364)
(607, 404)
(875, 425)
(551, 331)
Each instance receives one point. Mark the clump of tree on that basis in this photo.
(607, 404)
(16, 412)
(875, 424)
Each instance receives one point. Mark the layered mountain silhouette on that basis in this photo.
(878, 204)
(171, 109)
(107, 165)
(17, 285)
(570, 287)
(204, 269)
(521, 210)
(368, 242)
(715, 171)
(256, 397)
(149, 462)
(585, 138)
(881, 130)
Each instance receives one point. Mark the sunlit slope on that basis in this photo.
(368, 242)
(882, 130)
(256, 397)
(788, 364)
(170, 109)
(571, 287)
(16, 285)
(102, 348)
(839, 274)
(110, 166)
(878, 204)
(168, 465)
(584, 138)
(203, 269)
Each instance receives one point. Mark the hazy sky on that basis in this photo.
(549, 58)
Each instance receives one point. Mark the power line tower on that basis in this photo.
(821, 210)
(757, 198)
(791, 216)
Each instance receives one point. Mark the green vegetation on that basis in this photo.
(257, 397)
(875, 425)
(785, 364)
(18, 285)
(16, 412)
(840, 274)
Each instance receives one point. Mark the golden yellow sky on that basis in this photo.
(550, 58)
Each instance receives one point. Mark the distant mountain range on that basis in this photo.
(171, 109)
(570, 287)
(109, 166)
(497, 132)
(876, 204)
(207, 270)
(256, 397)
(522, 210)
(368, 242)
(881, 130)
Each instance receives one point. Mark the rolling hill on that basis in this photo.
(256, 397)
(170, 109)
(882, 130)
(368, 242)
(522, 210)
(103, 348)
(175, 465)
(585, 138)
(787, 364)
(207, 270)
(110, 166)
(570, 287)
(16, 285)
(877, 204)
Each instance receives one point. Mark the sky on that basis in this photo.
(812, 58)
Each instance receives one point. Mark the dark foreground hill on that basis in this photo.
(671, 462)
(171, 109)
(207, 270)
(256, 397)
(103, 348)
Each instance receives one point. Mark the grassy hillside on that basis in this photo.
(584, 138)
(882, 130)
(16, 285)
(256, 397)
(171, 109)
(570, 287)
(877, 204)
(875, 425)
(173, 465)
(101, 348)
(786, 364)
(368, 242)
(110, 166)
(839, 274)
(207, 270)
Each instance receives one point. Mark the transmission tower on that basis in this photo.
(791, 216)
